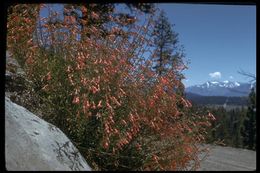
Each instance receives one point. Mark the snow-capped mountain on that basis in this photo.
(224, 88)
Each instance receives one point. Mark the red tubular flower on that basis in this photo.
(99, 104)
(84, 9)
(94, 15)
(86, 106)
(138, 146)
(124, 122)
(109, 106)
(155, 158)
(49, 76)
(76, 100)
(105, 145)
(211, 116)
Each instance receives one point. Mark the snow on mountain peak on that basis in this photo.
(226, 81)
(237, 84)
(214, 82)
(207, 84)
(221, 88)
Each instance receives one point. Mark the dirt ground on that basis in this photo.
(228, 159)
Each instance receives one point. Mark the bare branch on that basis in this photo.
(248, 75)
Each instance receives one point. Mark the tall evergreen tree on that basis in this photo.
(167, 54)
(249, 129)
(236, 120)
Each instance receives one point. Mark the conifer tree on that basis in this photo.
(249, 129)
(166, 49)
(167, 54)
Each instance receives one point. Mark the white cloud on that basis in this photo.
(215, 75)
(231, 77)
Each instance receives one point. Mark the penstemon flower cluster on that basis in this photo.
(91, 79)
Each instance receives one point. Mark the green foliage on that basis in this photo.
(167, 55)
(235, 127)
(105, 12)
(100, 94)
(249, 126)
(226, 130)
(165, 42)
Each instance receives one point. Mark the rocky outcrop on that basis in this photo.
(36, 145)
(20, 89)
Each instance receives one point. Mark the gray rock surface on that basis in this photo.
(12, 65)
(228, 159)
(36, 145)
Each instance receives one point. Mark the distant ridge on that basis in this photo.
(216, 100)
(225, 88)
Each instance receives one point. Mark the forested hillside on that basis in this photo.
(234, 126)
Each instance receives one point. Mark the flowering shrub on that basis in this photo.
(103, 93)
(21, 20)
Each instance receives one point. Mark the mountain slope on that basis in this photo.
(225, 88)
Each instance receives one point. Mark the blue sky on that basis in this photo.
(219, 40)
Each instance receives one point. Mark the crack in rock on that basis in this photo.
(73, 155)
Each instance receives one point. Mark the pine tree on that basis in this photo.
(237, 115)
(165, 43)
(167, 55)
(249, 129)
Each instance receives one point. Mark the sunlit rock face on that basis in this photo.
(36, 145)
